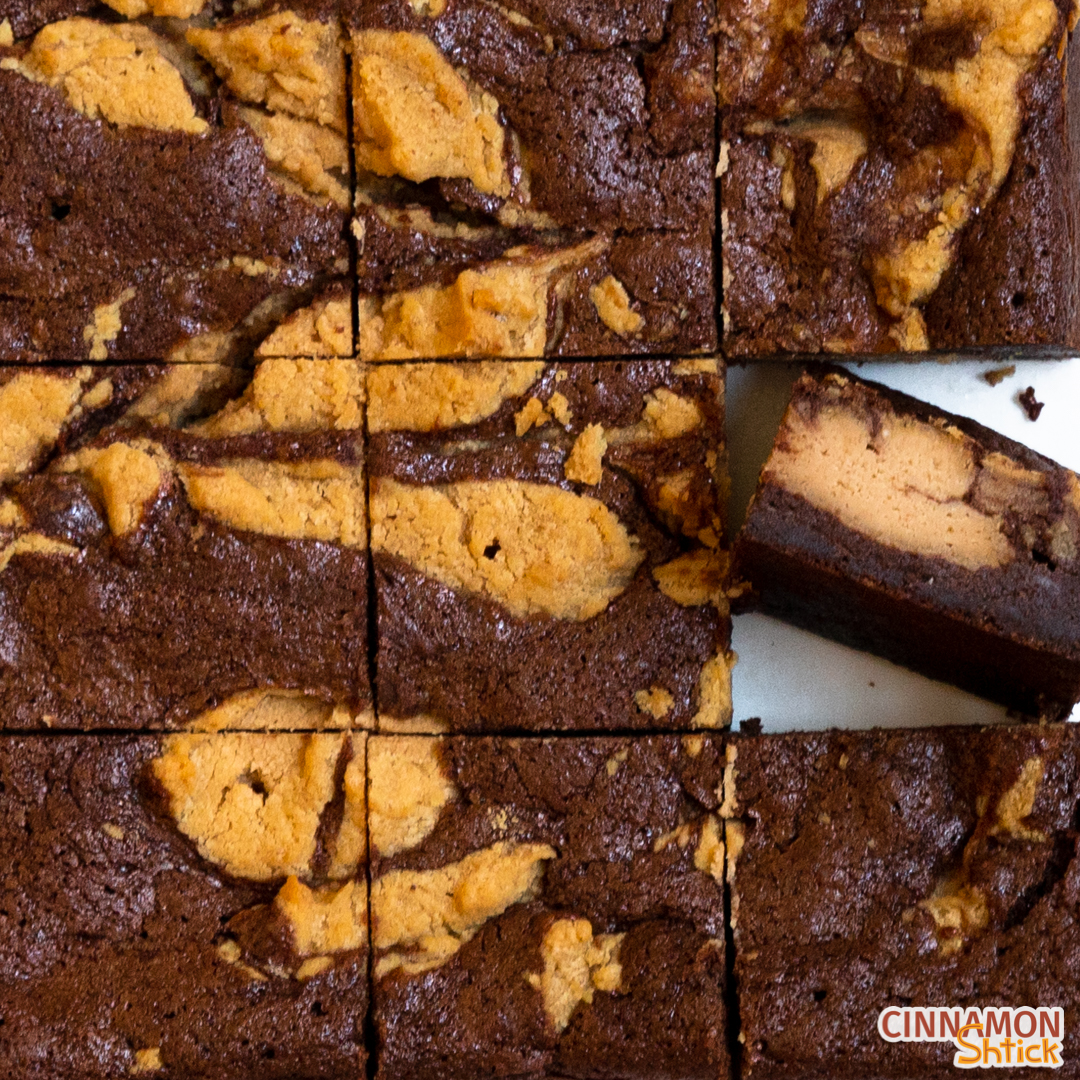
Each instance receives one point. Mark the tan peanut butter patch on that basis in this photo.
(284, 62)
(311, 155)
(612, 303)
(734, 842)
(585, 465)
(114, 832)
(432, 397)
(666, 415)
(310, 500)
(534, 548)
(325, 920)
(180, 393)
(34, 406)
(230, 952)
(408, 790)
(147, 1061)
(531, 414)
(498, 310)
(695, 578)
(421, 724)
(714, 692)
(838, 147)
(959, 912)
(710, 855)
(348, 849)
(324, 329)
(116, 72)
(275, 710)
(293, 395)
(251, 803)
(704, 365)
(656, 701)
(129, 476)
(418, 118)
(726, 792)
(427, 915)
(36, 544)
(173, 9)
(904, 485)
(105, 326)
(576, 965)
(431, 8)
(1015, 805)
(7, 36)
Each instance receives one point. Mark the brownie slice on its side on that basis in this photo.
(926, 868)
(546, 549)
(899, 176)
(173, 189)
(188, 905)
(176, 545)
(892, 526)
(535, 177)
(547, 908)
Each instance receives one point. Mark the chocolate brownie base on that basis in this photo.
(924, 537)
(173, 189)
(545, 542)
(207, 547)
(873, 869)
(183, 906)
(547, 908)
(561, 202)
(899, 179)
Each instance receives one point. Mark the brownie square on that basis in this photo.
(178, 542)
(546, 546)
(534, 178)
(183, 905)
(547, 907)
(896, 527)
(173, 189)
(872, 870)
(899, 177)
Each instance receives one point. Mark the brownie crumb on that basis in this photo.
(1028, 403)
(999, 374)
(751, 727)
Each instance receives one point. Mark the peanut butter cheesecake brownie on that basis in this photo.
(547, 907)
(546, 545)
(173, 188)
(204, 550)
(878, 870)
(922, 536)
(534, 177)
(899, 177)
(185, 905)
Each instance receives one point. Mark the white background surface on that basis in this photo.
(794, 680)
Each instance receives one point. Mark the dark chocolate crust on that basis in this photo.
(476, 1015)
(1009, 633)
(798, 277)
(465, 661)
(110, 936)
(616, 120)
(846, 834)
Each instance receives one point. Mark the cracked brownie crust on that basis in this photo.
(932, 867)
(143, 931)
(546, 546)
(563, 189)
(547, 908)
(214, 536)
(927, 538)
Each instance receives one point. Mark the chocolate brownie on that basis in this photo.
(204, 551)
(184, 906)
(173, 189)
(547, 907)
(546, 545)
(872, 870)
(899, 176)
(928, 539)
(535, 177)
